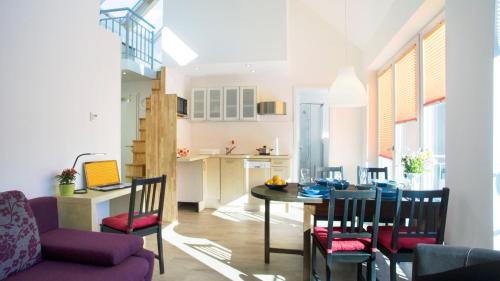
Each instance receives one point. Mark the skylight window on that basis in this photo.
(115, 4)
(176, 48)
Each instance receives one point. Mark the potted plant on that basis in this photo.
(414, 166)
(67, 182)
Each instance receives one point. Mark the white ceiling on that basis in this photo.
(363, 16)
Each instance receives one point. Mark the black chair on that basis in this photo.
(348, 243)
(148, 218)
(329, 172)
(422, 219)
(373, 173)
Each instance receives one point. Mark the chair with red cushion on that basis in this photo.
(145, 221)
(348, 243)
(421, 220)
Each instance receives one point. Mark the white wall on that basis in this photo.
(222, 31)
(248, 135)
(469, 121)
(57, 67)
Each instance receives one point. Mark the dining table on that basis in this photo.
(312, 207)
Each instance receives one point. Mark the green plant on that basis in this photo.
(415, 163)
(67, 176)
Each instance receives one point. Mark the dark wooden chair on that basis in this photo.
(373, 173)
(329, 172)
(348, 243)
(147, 218)
(422, 220)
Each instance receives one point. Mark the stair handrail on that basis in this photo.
(136, 33)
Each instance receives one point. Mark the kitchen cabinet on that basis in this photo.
(232, 179)
(198, 101)
(231, 103)
(214, 104)
(248, 103)
(213, 183)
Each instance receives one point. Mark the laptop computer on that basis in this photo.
(103, 175)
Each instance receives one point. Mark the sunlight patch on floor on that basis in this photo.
(205, 251)
(267, 277)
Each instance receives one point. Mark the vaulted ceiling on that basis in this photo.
(363, 16)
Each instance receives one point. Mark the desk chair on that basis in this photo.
(147, 220)
(348, 243)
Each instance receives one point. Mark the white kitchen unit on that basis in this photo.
(192, 181)
(198, 104)
(257, 172)
(231, 103)
(214, 104)
(248, 103)
(232, 179)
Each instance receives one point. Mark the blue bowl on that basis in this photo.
(316, 189)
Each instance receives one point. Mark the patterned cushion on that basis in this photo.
(19, 239)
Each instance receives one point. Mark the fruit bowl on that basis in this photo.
(276, 186)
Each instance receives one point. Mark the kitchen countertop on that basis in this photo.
(193, 158)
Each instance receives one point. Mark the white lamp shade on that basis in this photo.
(347, 90)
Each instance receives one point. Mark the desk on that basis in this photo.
(79, 210)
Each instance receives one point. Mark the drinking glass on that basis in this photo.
(305, 176)
(363, 176)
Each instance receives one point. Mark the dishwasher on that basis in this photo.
(257, 172)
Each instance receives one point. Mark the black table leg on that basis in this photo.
(266, 232)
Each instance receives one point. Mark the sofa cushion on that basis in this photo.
(19, 238)
(341, 244)
(120, 222)
(88, 247)
(131, 269)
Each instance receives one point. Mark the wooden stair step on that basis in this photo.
(156, 84)
(142, 124)
(139, 146)
(135, 170)
(139, 158)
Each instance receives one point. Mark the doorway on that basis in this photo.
(311, 129)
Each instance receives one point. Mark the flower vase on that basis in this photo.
(413, 181)
(66, 189)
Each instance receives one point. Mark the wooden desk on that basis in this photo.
(79, 210)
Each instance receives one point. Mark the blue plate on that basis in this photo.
(316, 189)
(313, 195)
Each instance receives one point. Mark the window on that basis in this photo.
(434, 93)
(405, 94)
(414, 86)
(385, 115)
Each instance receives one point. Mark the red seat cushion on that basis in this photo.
(120, 222)
(409, 243)
(342, 244)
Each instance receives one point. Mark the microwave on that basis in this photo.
(182, 107)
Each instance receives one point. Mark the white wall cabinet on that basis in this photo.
(248, 103)
(231, 103)
(214, 104)
(198, 101)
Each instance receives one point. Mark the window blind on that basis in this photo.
(405, 86)
(385, 115)
(434, 65)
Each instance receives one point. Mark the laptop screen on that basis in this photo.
(101, 173)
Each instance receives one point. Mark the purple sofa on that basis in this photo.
(83, 255)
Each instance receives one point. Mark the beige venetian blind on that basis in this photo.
(385, 115)
(405, 86)
(434, 65)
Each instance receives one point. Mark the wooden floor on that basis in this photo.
(228, 244)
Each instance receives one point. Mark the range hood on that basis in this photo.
(271, 108)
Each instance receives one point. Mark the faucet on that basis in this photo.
(230, 148)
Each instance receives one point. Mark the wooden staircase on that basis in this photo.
(137, 169)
